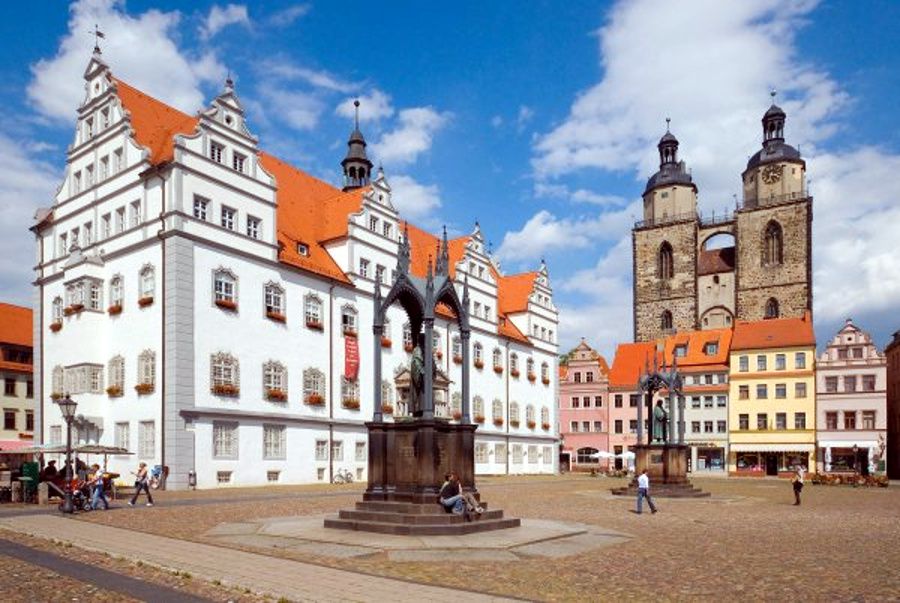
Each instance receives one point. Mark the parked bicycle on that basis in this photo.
(342, 476)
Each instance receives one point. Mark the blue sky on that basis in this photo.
(539, 119)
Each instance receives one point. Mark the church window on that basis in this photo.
(666, 267)
(237, 162)
(666, 321)
(772, 308)
(201, 207)
(228, 218)
(215, 152)
(773, 245)
(224, 286)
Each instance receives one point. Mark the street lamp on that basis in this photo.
(67, 408)
(856, 459)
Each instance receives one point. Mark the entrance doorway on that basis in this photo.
(771, 464)
(618, 452)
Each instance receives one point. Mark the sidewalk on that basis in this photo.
(279, 577)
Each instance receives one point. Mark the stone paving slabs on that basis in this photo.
(534, 538)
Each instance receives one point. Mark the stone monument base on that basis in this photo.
(666, 466)
(407, 464)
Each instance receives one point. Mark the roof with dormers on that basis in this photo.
(697, 351)
(311, 211)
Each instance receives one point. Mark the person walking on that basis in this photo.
(797, 483)
(97, 492)
(644, 492)
(141, 482)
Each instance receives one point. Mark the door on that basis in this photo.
(618, 452)
(771, 464)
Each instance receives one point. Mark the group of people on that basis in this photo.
(94, 478)
(455, 500)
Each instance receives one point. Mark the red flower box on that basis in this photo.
(457, 360)
(479, 418)
(531, 424)
(457, 415)
(276, 316)
(513, 423)
(439, 354)
(498, 369)
(315, 400)
(226, 389)
(514, 373)
(227, 304)
(546, 380)
(276, 395)
(144, 388)
(499, 422)
(114, 309)
(531, 377)
(350, 404)
(348, 332)
(479, 364)
(387, 408)
(55, 326)
(408, 348)
(546, 426)
(145, 301)
(73, 309)
(113, 391)
(386, 342)
(312, 324)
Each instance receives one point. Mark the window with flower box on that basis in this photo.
(478, 409)
(275, 381)
(57, 312)
(274, 299)
(513, 414)
(514, 365)
(348, 321)
(387, 397)
(312, 311)
(225, 289)
(147, 280)
(115, 385)
(529, 369)
(529, 417)
(274, 441)
(146, 372)
(457, 350)
(224, 374)
(545, 418)
(313, 387)
(115, 294)
(478, 355)
(497, 360)
(407, 338)
(225, 439)
(545, 373)
(350, 393)
(497, 412)
(386, 340)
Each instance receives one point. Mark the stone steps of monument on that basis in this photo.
(405, 529)
(405, 507)
(440, 518)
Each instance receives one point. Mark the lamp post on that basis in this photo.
(856, 460)
(67, 408)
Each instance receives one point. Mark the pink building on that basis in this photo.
(624, 397)
(851, 403)
(583, 408)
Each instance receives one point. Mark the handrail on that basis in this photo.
(754, 202)
(650, 222)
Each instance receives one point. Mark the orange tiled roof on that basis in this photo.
(604, 367)
(311, 211)
(15, 325)
(774, 333)
(563, 371)
(696, 344)
(629, 363)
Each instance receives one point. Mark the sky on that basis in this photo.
(537, 119)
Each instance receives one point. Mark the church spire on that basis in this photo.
(668, 147)
(356, 165)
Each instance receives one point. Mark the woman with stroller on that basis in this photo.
(95, 481)
(141, 482)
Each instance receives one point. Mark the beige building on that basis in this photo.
(17, 395)
(851, 404)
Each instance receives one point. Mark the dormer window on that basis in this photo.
(303, 249)
(215, 152)
(680, 351)
(712, 348)
(237, 162)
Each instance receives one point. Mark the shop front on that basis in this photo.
(749, 460)
(708, 456)
(862, 457)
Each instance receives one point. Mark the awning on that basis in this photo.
(848, 444)
(772, 448)
(14, 445)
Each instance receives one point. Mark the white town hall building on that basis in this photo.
(209, 307)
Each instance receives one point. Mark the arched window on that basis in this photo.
(349, 391)
(115, 376)
(148, 282)
(497, 409)
(529, 416)
(665, 321)
(478, 354)
(313, 386)
(513, 414)
(529, 367)
(666, 263)
(274, 381)
(386, 331)
(514, 364)
(545, 373)
(457, 349)
(583, 456)
(497, 358)
(115, 291)
(147, 369)
(57, 382)
(225, 288)
(312, 311)
(773, 245)
(274, 300)
(545, 417)
(348, 320)
(57, 309)
(224, 374)
(478, 406)
(772, 308)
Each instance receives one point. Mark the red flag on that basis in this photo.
(351, 357)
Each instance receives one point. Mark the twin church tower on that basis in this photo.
(685, 278)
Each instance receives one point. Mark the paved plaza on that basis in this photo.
(747, 541)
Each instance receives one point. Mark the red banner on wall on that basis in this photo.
(351, 357)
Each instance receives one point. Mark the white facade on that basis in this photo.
(193, 241)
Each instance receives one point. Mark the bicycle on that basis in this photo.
(342, 476)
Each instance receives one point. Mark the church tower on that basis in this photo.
(773, 229)
(356, 165)
(664, 248)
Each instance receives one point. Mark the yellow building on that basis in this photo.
(772, 397)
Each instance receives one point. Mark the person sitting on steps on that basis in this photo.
(453, 498)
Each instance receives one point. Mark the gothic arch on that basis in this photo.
(772, 308)
(665, 265)
(773, 244)
(665, 321)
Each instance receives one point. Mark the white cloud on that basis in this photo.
(414, 201)
(25, 184)
(581, 195)
(287, 16)
(298, 109)
(413, 135)
(372, 107)
(525, 115)
(221, 17)
(496, 121)
(135, 47)
(281, 70)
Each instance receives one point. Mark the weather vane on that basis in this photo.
(98, 35)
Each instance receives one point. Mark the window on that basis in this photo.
(632, 426)
(373, 223)
(633, 400)
(274, 438)
(387, 229)
(337, 450)
(56, 380)
(348, 320)
(598, 402)
(106, 226)
(772, 308)
(545, 372)
(87, 234)
(95, 299)
(721, 427)
(532, 453)
(680, 351)
(529, 367)
(545, 416)
(117, 160)
(227, 219)
(237, 162)
(517, 454)
(781, 390)
(201, 207)
(577, 377)
(744, 422)
(274, 380)
(617, 401)
(618, 426)
(849, 383)
(321, 450)
(361, 452)
(478, 354)
(573, 426)
(379, 273)
(762, 391)
(76, 183)
(497, 411)
(55, 434)
(88, 176)
(9, 420)
(707, 426)
(225, 440)
(224, 373)
(773, 247)
(781, 420)
(598, 426)
(147, 368)
(857, 352)
(116, 375)
(831, 384)
(224, 286)
(481, 452)
(665, 263)
(313, 384)
(274, 300)
(63, 247)
(363, 268)
(148, 282)
(89, 127)
(721, 401)
(120, 220)
(272, 476)
(223, 477)
(135, 213)
(695, 401)
(303, 249)
(29, 389)
(497, 359)
(868, 419)
(762, 421)
(761, 362)
(104, 167)
(529, 414)
(349, 391)
(215, 152)
(849, 420)
(147, 440)
(104, 115)
(831, 419)
(868, 383)
(665, 321)
(122, 435)
(478, 406)
(514, 364)
(744, 364)
(312, 311)
(707, 401)
(800, 420)
(589, 377)
(780, 362)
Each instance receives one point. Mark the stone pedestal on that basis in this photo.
(666, 466)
